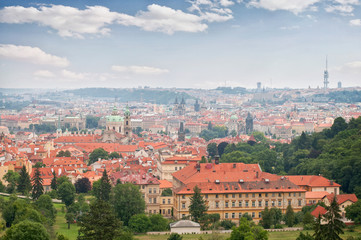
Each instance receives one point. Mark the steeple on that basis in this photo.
(176, 100)
(325, 76)
(183, 102)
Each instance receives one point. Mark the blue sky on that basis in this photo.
(174, 43)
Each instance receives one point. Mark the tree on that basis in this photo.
(167, 192)
(227, 224)
(276, 215)
(82, 185)
(54, 184)
(11, 177)
(338, 125)
(175, 236)
(197, 207)
(290, 216)
(334, 224)
(27, 230)
(303, 236)
(62, 179)
(99, 223)
(45, 206)
(212, 149)
(353, 212)
(158, 223)
(221, 147)
(103, 188)
(266, 218)
(114, 155)
(127, 201)
(248, 231)
(96, 154)
(24, 183)
(62, 153)
(139, 223)
(66, 193)
(38, 189)
(70, 217)
(307, 219)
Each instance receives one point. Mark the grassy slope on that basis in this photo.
(61, 227)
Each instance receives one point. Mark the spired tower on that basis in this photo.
(127, 123)
(181, 133)
(249, 124)
(197, 106)
(325, 77)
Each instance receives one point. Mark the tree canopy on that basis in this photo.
(96, 154)
(198, 207)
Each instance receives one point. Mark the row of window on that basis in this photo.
(168, 201)
(233, 215)
(164, 212)
(152, 200)
(253, 195)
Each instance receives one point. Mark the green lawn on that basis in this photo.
(61, 227)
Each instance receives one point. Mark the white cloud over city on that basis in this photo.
(146, 70)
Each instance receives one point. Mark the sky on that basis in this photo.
(175, 43)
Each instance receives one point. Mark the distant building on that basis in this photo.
(181, 133)
(339, 85)
(249, 124)
(179, 108)
(197, 106)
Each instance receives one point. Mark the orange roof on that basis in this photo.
(165, 184)
(319, 211)
(341, 198)
(109, 147)
(316, 195)
(312, 181)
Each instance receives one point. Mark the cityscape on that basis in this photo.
(200, 119)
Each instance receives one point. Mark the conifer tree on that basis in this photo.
(333, 228)
(54, 184)
(290, 216)
(198, 207)
(24, 183)
(38, 189)
(103, 192)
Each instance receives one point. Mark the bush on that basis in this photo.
(227, 224)
(351, 228)
(175, 236)
(278, 226)
(308, 226)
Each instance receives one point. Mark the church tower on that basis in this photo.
(127, 123)
(249, 124)
(197, 106)
(181, 133)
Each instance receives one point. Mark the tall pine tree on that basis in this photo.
(24, 183)
(198, 207)
(333, 228)
(54, 184)
(38, 189)
(104, 188)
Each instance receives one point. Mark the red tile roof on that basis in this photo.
(319, 211)
(312, 181)
(165, 184)
(341, 198)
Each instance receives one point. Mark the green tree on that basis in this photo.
(353, 212)
(266, 218)
(66, 193)
(53, 183)
(24, 183)
(227, 224)
(333, 228)
(103, 188)
(12, 178)
(62, 179)
(127, 201)
(221, 147)
(290, 216)
(96, 154)
(45, 206)
(175, 236)
(212, 149)
(82, 185)
(27, 230)
(307, 219)
(70, 218)
(233, 133)
(114, 155)
(248, 231)
(167, 192)
(38, 189)
(139, 223)
(197, 207)
(303, 236)
(276, 215)
(99, 223)
(338, 125)
(158, 223)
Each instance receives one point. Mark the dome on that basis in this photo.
(234, 117)
(113, 118)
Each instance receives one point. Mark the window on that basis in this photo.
(163, 201)
(163, 211)
(289, 202)
(206, 196)
(266, 203)
(143, 186)
(294, 194)
(299, 194)
(233, 195)
(154, 190)
(168, 200)
(226, 215)
(289, 194)
(253, 214)
(216, 195)
(325, 188)
(253, 203)
(239, 215)
(150, 190)
(217, 204)
(273, 194)
(273, 203)
(279, 194)
(183, 196)
(154, 211)
(259, 214)
(266, 195)
(279, 203)
(240, 195)
(150, 200)
(240, 204)
(299, 202)
(259, 203)
(176, 168)
(183, 205)
(154, 200)
(168, 211)
(246, 194)
(253, 195)
(150, 211)
(246, 203)
(226, 195)
(260, 195)
(233, 204)
(226, 204)
(233, 215)
(183, 215)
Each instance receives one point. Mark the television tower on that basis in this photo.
(325, 77)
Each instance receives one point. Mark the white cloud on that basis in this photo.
(355, 22)
(294, 27)
(354, 65)
(214, 17)
(294, 6)
(139, 70)
(345, 2)
(74, 22)
(164, 19)
(342, 9)
(73, 75)
(32, 54)
(44, 74)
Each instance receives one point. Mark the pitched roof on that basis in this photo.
(316, 195)
(319, 211)
(184, 224)
(341, 198)
(312, 181)
(165, 184)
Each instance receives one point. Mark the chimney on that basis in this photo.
(216, 159)
(256, 174)
(198, 167)
(234, 165)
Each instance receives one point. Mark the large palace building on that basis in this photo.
(233, 189)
